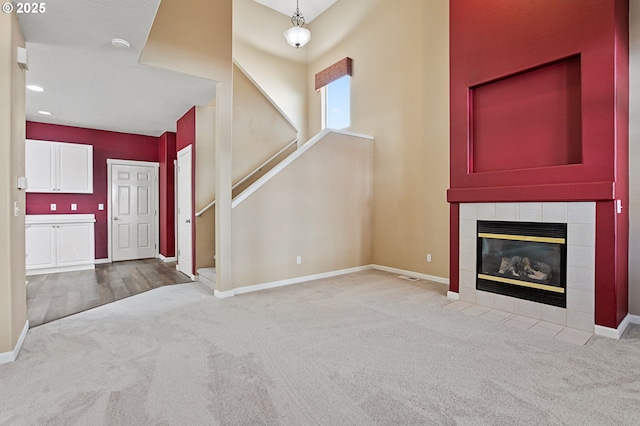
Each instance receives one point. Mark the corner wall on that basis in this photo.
(13, 309)
(400, 95)
(280, 70)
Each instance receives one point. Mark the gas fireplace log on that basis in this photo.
(522, 267)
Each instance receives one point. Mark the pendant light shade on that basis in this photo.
(297, 36)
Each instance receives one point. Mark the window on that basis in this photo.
(334, 83)
(337, 103)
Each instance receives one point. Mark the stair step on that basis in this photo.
(207, 276)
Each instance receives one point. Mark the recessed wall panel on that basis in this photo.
(528, 120)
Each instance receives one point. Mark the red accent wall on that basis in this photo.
(186, 135)
(167, 155)
(493, 40)
(500, 46)
(122, 146)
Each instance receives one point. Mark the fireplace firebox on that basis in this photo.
(526, 260)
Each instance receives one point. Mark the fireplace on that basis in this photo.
(526, 260)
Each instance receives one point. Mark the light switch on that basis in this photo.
(74, 207)
(53, 207)
(100, 206)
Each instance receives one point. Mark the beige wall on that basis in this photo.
(259, 129)
(319, 207)
(634, 158)
(260, 49)
(205, 176)
(195, 37)
(400, 95)
(12, 134)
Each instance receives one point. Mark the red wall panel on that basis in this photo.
(491, 40)
(167, 155)
(123, 146)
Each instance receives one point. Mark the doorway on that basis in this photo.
(184, 215)
(133, 210)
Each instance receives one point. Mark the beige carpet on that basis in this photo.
(366, 348)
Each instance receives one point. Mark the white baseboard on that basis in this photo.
(290, 281)
(12, 355)
(102, 261)
(433, 278)
(453, 295)
(616, 333)
(224, 294)
(84, 267)
(167, 259)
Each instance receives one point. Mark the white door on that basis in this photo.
(185, 252)
(133, 212)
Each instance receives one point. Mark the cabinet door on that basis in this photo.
(40, 246)
(40, 162)
(75, 244)
(75, 168)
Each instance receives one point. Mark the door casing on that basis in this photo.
(156, 190)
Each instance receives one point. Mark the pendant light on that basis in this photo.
(297, 36)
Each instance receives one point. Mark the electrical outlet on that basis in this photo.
(53, 207)
(429, 257)
(100, 206)
(299, 260)
(74, 207)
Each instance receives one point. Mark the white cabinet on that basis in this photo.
(59, 167)
(59, 243)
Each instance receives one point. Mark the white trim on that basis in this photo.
(433, 278)
(290, 281)
(13, 355)
(453, 295)
(167, 259)
(224, 294)
(616, 333)
(102, 261)
(156, 187)
(290, 159)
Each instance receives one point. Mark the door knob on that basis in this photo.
(188, 220)
(115, 218)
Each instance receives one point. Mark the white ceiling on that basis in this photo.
(310, 9)
(89, 83)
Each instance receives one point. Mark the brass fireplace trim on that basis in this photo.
(522, 238)
(522, 283)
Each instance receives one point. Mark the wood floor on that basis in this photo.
(54, 296)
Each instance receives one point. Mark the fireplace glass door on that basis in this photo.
(524, 260)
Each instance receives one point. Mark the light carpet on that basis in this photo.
(365, 348)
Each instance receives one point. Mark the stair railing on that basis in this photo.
(247, 177)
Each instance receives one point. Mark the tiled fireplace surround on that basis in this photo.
(580, 218)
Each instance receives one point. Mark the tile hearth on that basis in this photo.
(566, 334)
(580, 285)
